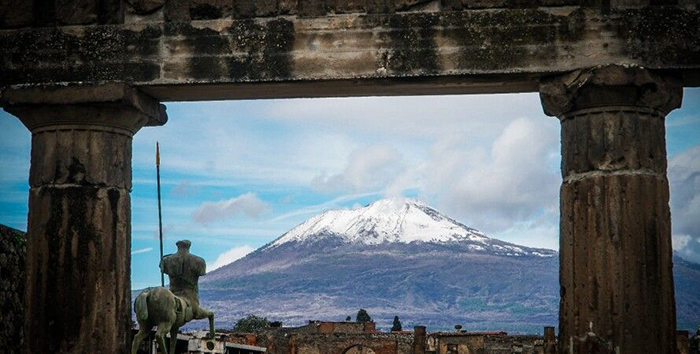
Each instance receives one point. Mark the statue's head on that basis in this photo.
(183, 245)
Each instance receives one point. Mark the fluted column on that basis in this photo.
(615, 231)
(79, 225)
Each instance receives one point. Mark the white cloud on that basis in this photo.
(217, 142)
(496, 188)
(143, 250)
(684, 179)
(370, 168)
(539, 232)
(230, 256)
(412, 116)
(248, 204)
(680, 241)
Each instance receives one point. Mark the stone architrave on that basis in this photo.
(78, 286)
(615, 244)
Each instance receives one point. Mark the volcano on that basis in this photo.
(401, 257)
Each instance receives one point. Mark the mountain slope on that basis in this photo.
(396, 257)
(395, 221)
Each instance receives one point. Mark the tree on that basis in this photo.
(251, 323)
(397, 325)
(363, 316)
(348, 319)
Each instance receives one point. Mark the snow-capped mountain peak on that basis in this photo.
(395, 220)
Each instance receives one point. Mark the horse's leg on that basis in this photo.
(173, 339)
(163, 328)
(210, 315)
(211, 324)
(200, 313)
(143, 333)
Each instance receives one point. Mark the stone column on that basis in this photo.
(550, 341)
(615, 230)
(419, 340)
(79, 226)
(683, 342)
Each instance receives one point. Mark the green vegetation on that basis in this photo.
(363, 316)
(251, 323)
(397, 325)
(17, 237)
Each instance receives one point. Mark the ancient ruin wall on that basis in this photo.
(12, 257)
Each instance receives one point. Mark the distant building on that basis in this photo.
(195, 343)
(319, 337)
(338, 327)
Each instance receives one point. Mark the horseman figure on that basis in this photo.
(171, 309)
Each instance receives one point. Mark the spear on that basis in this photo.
(160, 218)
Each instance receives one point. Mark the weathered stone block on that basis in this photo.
(559, 2)
(405, 5)
(210, 9)
(33, 104)
(451, 5)
(484, 4)
(266, 8)
(611, 85)
(348, 6)
(16, 13)
(110, 12)
(144, 7)
(628, 4)
(613, 140)
(243, 8)
(177, 10)
(186, 10)
(287, 7)
(379, 6)
(311, 8)
(76, 12)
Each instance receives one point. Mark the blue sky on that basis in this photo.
(238, 174)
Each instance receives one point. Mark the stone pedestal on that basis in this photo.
(79, 226)
(615, 245)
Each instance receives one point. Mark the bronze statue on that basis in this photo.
(171, 309)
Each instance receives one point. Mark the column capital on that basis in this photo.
(610, 85)
(108, 106)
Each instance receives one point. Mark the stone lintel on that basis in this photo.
(110, 104)
(355, 54)
(610, 86)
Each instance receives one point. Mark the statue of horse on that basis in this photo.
(160, 307)
(171, 309)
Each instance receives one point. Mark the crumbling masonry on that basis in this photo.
(85, 75)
